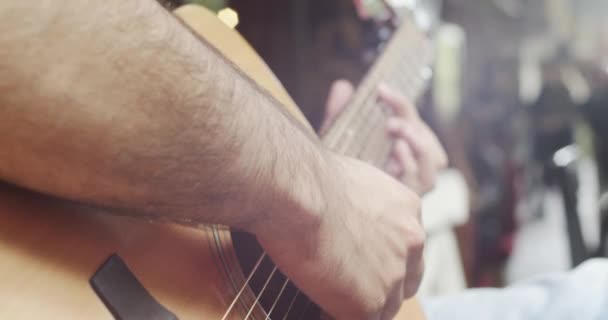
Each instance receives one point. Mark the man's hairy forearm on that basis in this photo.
(116, 104)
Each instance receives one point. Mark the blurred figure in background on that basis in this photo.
(595, 111)
(552, 116)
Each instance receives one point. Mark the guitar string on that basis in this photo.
(393, 49)
(377, 148)
(257, 299)
(370, 132)
(304, 310)
(354, 119)
(414, 59)
(377, 144)
(348, 138)
(365, 120)
(253, 271)
(374, 113)
(293, 300)
(341, 130)
(373, 138)
(278, 298)
(336, 134)
(367, 112)
(366, 87)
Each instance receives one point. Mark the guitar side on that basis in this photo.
(49, 250)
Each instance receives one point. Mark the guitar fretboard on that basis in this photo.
(360, 130)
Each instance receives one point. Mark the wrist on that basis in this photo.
(300, 197)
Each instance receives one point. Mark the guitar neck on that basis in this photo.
(404, 64)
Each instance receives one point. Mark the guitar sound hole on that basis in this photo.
(291, 304)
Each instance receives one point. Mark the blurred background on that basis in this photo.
(517, 91)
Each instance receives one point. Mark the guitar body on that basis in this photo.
(49, 249)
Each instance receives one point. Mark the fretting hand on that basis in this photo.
(416, 155)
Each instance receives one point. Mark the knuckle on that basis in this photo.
(416, 247)
(417, 238)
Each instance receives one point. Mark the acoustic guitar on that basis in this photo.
(60, 260)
